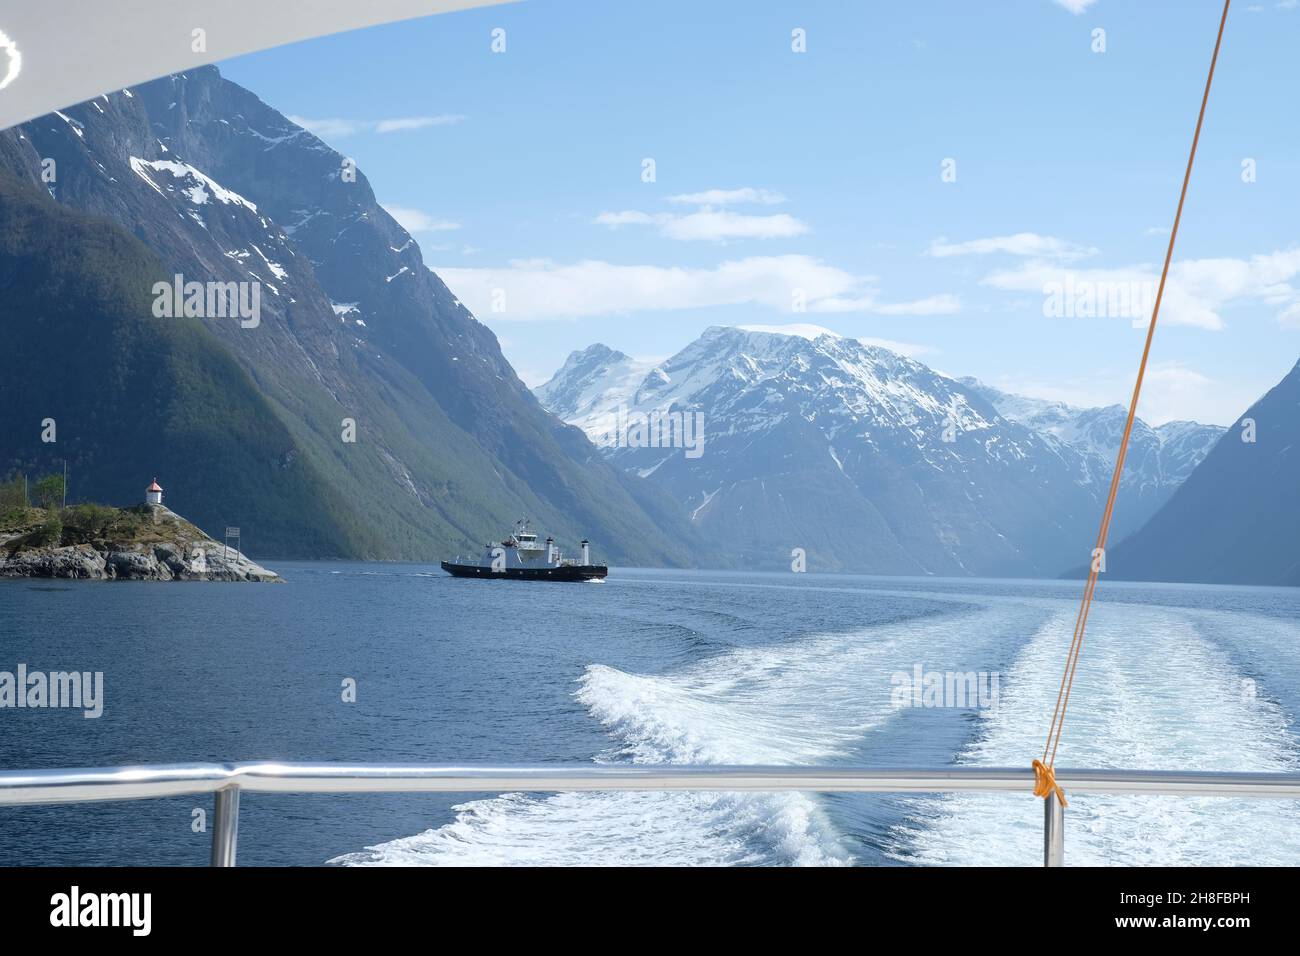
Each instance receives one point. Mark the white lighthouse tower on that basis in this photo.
(153, 494)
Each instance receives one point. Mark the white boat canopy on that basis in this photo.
(57, 53)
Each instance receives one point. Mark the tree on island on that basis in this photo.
(49, 492)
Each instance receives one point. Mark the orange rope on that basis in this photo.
(1044, 770)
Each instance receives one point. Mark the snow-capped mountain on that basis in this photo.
(1159, 459)
(864, 458)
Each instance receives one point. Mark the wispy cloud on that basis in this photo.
(1075, 6)
(415, 220)
(727, 197)
(543, 289)
(1198, 289)
(417, 122)
(335, 128)
(713, 225)
(1029, 244)
(1173, 390)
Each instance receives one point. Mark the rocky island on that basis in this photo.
(147, 542)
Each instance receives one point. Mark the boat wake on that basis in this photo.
(1158, 688)
(810, 701)
(1155, 689)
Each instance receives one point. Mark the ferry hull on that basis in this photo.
(568, 572)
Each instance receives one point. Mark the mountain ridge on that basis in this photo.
(881, 435)
(1235, 519)
(450, 446)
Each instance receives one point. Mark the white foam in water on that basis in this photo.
(1151, 692)
(801, 702)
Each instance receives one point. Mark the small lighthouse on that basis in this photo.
(153, 494)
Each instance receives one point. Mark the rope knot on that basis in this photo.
(1045, 783)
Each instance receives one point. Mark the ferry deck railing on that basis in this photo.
(228, 780)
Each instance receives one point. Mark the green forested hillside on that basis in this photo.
(133, 396)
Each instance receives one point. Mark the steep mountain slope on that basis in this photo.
(1158, 461)
(450, 446)
(127, 393)
(1236, 519)
(866, 459)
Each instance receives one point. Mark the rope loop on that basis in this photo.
(1045, 783)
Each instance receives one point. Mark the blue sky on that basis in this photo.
(784, 178)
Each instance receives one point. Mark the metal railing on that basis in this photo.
(228, 780)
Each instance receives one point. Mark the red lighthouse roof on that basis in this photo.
(154, 486)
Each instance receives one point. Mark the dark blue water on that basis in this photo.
(649, 666)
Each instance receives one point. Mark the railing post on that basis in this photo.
(1053, 831)
(225, 826)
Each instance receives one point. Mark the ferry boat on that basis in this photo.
(521, 558)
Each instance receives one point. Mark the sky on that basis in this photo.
(987, 187)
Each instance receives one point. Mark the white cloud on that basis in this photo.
(1171, 391)
(1020, 244)
(413, 220)
(543, 289)
(712, 225)
(726, 197)
(327, 128)
(630, 217)
(709, 223)
(1075, 6)
(715, 225)
(335, 128)
(930, 305)
(1197, 290)
(945, 304)
(417, 122)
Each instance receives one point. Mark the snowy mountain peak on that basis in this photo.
(812, 435)
(1164, 455)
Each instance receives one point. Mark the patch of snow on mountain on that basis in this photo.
(195, 185)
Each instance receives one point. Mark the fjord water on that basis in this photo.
(651, 666)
